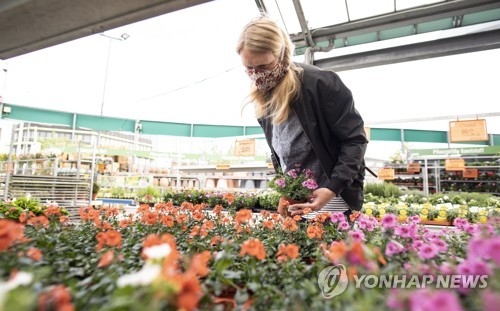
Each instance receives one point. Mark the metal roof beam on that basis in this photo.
(31, 25)
(481, 41)
(397, 19)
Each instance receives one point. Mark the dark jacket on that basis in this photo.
(335, 129)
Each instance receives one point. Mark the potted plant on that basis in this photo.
(148, 195)
(294, 186)
(95, 190)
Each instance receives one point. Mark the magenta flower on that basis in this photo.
(389, 221)
(446, 268)
(442, 300)
(493, 250)
(393, 248)
(414, 219)
(394, 302)
(440, 244)
(491, 300)
(357, 235)
(428, 251)
(337, 217)
(460, 222)
(417, 245)
(344, 225)
(406, 231)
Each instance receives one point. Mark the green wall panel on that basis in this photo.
(104, 123)
(38, 115)
(203, 130)
(481, 17)
(396, 32)
(441, 24)
(361, 39)
(385, 134)
(253, 130)
(426, 136)
(166, 128)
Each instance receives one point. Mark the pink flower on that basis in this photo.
(406, 230)
(414, 219)
(310, 184)
(493, 250)
(464, 268)
(357, 235)
(446, 268)
(460, 222)
(292, 173)
(442, 300)
(344, 225)
(337, 216)
(389, 221)
(491, 300)
(428, 251)
(393, 248)
(479, 267)
(440, 244)
(281, 182)
(417, 245)
(395, 302)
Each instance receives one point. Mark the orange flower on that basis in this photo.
(23, 217)
(229, 197)
(34, 253)
(57, 298)
(355, 215)
(63, 219)
(253, 247)
(269, 224)
(337, 251)
(162, 206)
(10, 233)
(306, 211)
(52, 210)
(106, 259)
(39, 221)
(124, 223)
(315, 231)
(198, 216)
(111, 238)
(195, 231)
(182, 218)
(143, 208)
(351, 272)
(380, 258)
(217, 209)
(285, 252)
(111, 211)
(216, 240)
(149, 217)
(356, 254)
(242, 216)
(289, 224)
(167, 220)
(199, 264)
(208, 225)
(190, 291)
(321, 217)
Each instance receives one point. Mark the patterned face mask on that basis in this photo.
(267, 79)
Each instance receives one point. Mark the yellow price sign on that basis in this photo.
(470, 173)
(454, 164)
(470, 130)
(413, 168)
(244, 148)
(386, 173)
(222, 166)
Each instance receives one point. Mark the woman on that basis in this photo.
(308, 118)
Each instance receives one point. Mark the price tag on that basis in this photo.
(470, 173)
(413, 168)
(222, 166)
(454, 164)
(244, 148)
(386, 174)
(270, 165)
(471, 130)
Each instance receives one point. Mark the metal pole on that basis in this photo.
(425, 179)
(9, 161)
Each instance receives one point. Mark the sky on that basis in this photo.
(182, 67)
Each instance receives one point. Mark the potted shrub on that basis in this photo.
(95, 190)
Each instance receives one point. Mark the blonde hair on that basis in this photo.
(264, 35)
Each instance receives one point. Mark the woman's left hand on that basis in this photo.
(319, 198)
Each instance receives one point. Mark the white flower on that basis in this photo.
(20, 279)
(473, 209)
(145, 276)
(157, 251)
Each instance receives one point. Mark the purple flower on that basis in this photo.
(344, 225)
(357, 235)
(393, 248)
(464, 268)
(460, 222)
(428, 251)
(440, 244)
(310, 184)
(280, 182)
(417, 245)
(389, 221)
(414, 219)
